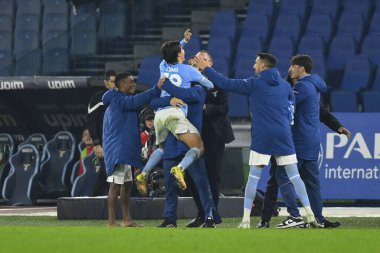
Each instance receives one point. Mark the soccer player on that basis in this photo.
(121, 142)
(269, 95)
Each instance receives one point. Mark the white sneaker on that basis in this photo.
(245, 224)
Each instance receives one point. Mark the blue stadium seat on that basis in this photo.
(319, 66)
(84, 185)
(256, 25)
(356, 74)
(341, 48)
(238, 106)
(149, 71)
(371, 48)
(39, 141)
(29, 7)
(288, 24)
(343, 101)
(21, 183)
(60, 152)
(374, 26)
(6, 7)
(112, 26)
(6, 40)
(362, 7)
(371, 101)
(329, 7)
(283, 64)
(222, 66)
(74, 172)
(244, 67)
(249, 47)
(84, 43)
(56, 6)
(55, 39)
(56, 61)
(28, 63)
(312, 45)
(261, 6)
(54, 22)
(376, 82)
(6, 23)
(25, 41)
(27, 22)
(351, 24)
(193, 46)
(83, 22)
(321, 25)
(294, 7)
(220, 47)
(224, 24)
(6, 152)
(6, 61)
(282, 46)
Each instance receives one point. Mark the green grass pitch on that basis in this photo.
(47, 234)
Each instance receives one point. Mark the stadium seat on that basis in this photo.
(54, 22)
(329, 7)
(84, 43)
(283, 64)
(149, 71)
(224, 24)
(25, 41)
(28, 63)
(288, 24)
(282, 46)
(6, 7)
(341, 48)
(84, 185)
(320, 25)
(56, 61)
(374, 26)
(370, 47)
(248, 47)
(60, 152)
(83, 22)
(27, 22)
(222, 66)
(238, 106)
(20, 185)
(193, 46)
(362, 7)
(343, 101)
(6, 62)
(112, 26)
(371, 101)
(351, 24)
(294, 7)
(244, 67)
(74, 172)
(56, 6)
(261, 6)
(29, 7)
(6, 40)
(6, 23)
(256, 25)
(55, 39)
(220, 48)
(6, 152)
(38, 141)
(319, 66)
(312, 45)
(376, 82)
(356, 73)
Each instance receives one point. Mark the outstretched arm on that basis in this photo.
(331, 121)
(133, 102)
(189, 95)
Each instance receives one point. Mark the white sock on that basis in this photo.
(247, 214)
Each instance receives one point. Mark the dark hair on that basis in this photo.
(120, 77)
(109, 73)
(303, 60)
(170, 51)
(209, 55)
(269, 59)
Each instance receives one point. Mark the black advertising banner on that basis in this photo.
(43, 82)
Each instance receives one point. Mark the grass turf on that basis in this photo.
(47, 234)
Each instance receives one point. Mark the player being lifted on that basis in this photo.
(172, 118)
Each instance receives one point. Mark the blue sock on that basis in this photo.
(191, 155)
(299, 186)
(154, 159)
(250, 188)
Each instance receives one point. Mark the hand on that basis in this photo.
(345, 131)
(187, 35)
(161, 82)
(99, 151)
(176, 102)
(202, 63)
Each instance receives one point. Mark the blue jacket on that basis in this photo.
(269, 96)
(121, 137)
(306, 118)
(195, 98)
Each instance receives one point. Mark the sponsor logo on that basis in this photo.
(61, 84)
(11, 85)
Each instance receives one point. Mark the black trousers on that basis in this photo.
(214, 151)
(101, 187)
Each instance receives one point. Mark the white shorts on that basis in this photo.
(121, 174)
(262, 159)
(174, 120)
